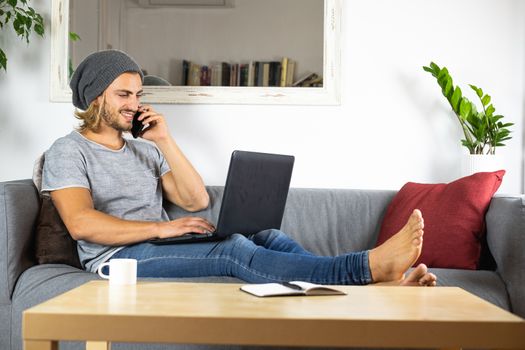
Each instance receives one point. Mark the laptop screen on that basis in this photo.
(255, 192)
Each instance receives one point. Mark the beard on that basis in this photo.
(112, 118)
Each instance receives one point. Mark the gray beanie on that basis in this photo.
(96, 72)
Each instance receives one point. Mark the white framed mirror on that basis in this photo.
(113, 20)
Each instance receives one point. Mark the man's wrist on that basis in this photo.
(157, 230)
(165, 142)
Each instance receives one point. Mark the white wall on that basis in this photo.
(393, 124)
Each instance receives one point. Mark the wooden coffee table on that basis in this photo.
(217, 313)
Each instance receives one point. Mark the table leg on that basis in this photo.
(40, 345)
(98, 345)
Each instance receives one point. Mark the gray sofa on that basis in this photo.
(325, 221)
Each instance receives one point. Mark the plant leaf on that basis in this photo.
(490, 110)
(478, 91)
(28, 23)
(443, 80)
(3, 60)
(485, 100)
(39, 29)
(465, 108)
(435, 67)
(428, 69)
(448, 89)
(73, 36)
(443, 73)
(455, 99)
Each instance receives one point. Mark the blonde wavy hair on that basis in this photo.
(91, 117)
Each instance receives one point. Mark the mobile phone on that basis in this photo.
(136, 125)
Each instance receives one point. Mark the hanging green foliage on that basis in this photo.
(22, 18)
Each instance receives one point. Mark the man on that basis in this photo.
(108, 191)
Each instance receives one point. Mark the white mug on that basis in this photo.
(121, 271)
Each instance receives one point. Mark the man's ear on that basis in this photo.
(99, 100)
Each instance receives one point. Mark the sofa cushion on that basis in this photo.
(454, 217)
(53, 243)
(506, 225)
(484, 284)
(18, 213)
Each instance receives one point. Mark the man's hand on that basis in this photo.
(184, 225)
(182, 186)
(157, 130)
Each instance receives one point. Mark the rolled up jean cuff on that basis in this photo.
(367, 274)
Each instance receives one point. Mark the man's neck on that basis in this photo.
(107, 137)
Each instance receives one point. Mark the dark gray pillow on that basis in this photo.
(53, 243)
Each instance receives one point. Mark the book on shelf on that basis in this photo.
(289, 289)
(250, 73)
(308, 80)
(259, 69)
(194, 75)
(243, 76)
(216, 74)
(226, 69)
(234, 74)
(266, 74)
(274, 74)
(290, 70)
(185, 71)
(205, 76)
(284, 71)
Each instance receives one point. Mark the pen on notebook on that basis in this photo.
(291, 285)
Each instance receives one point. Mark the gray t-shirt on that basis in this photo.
(124, 183)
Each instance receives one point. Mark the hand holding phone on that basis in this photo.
(136, 125)
(139, 128)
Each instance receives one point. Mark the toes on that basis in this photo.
(421, 268)
(418, 273)
(417, 241)
(429, 279)
(416, 221)
(417, 216)
(420, 276)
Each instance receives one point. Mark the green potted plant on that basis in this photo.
(484, 130)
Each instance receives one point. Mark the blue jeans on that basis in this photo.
(268, 256)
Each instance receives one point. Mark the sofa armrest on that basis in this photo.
(19, 206)
(506, 240)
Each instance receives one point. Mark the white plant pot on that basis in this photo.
(475, 163)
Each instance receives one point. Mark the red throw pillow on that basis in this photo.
(454, 217)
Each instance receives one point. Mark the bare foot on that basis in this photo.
(418, 277)
(391, 260)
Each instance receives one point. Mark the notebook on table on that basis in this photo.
(254, 197)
